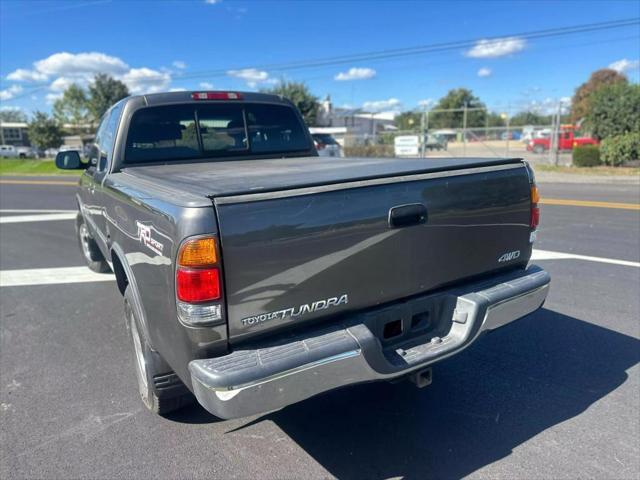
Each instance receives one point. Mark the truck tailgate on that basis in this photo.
(294, 256)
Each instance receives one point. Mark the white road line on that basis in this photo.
(51, 276)
(548, 255)
(22, 210)
(47, 217)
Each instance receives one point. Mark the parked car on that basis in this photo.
(256, 275)
(11, 151)
(566, 141)
(51, 152)
(433, 141)
(510, 136)
(326, 145)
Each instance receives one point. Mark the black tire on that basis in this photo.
(538, 149)
(160, 388)
(89, 248)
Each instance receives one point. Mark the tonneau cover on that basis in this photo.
(221, 178)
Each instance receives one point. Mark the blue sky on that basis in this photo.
(162, 45)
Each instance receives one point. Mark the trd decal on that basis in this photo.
(144, 235)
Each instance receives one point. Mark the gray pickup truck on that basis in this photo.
(256, 274)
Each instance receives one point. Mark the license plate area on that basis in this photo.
(413, 321)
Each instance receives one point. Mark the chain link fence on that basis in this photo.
(457, 133)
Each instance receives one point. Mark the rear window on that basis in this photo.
(179, 132)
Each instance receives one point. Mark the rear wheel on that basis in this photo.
(538, 149)
(90, 251)
(160, 388)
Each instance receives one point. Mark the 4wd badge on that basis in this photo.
(507, 257)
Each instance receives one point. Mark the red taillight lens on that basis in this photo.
(535, 217)
(535, 210)
(197, 285)
(216, 96)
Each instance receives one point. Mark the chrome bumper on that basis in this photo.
(293, 368)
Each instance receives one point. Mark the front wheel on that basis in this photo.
(160, 388)
(90, 251)
(538, 149)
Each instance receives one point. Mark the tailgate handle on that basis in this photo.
(407, 215)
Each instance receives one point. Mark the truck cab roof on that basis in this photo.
(166, 98)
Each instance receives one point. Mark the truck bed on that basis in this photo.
(215, 179)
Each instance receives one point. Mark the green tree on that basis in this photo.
(104, 92)
(521, 119)
(301, 97)
(457, 99)
(494, 119)
(408, 120)
(72, 107)
(614, 110)
(12, 115)
(598, 79)
(44, 131)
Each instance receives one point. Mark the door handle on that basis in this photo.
(407, 215)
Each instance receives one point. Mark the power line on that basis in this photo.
(431, 48)
(402, 52)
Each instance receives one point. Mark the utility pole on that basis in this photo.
(508, 132)
(557, 136)
(464, 130)
(424, 128)
(373, 127)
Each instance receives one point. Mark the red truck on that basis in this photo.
(567, 139)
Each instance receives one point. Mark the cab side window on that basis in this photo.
(106, 137)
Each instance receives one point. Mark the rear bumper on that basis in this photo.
(266, 377)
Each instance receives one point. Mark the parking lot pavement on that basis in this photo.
(555, 395)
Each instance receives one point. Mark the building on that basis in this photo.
(353, 126)
(14, 133)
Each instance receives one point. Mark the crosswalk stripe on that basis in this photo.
(45, 217)
(51, 276)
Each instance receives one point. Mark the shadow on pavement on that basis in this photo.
(510, 386)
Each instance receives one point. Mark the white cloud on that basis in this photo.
(67, 68)
(91, 63)
(212, 2)
(52, 97)
(356, 73)
(179, 64)
(380, 105)
(60, 84)
(23, 75)
(484, 72)
(9, 93)
(497, 47)
(206, 85)
(549, 105)
(624, 65)
(252, 76)
(146, 80)
(178, 89)
(425, 103)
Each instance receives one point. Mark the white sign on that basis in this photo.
(406, 146)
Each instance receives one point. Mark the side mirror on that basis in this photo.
(69, 160)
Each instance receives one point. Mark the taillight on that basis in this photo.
(198, 282)
(216, 96)
(535, 210)
(198, 285)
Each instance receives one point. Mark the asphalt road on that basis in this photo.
(555, 395)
